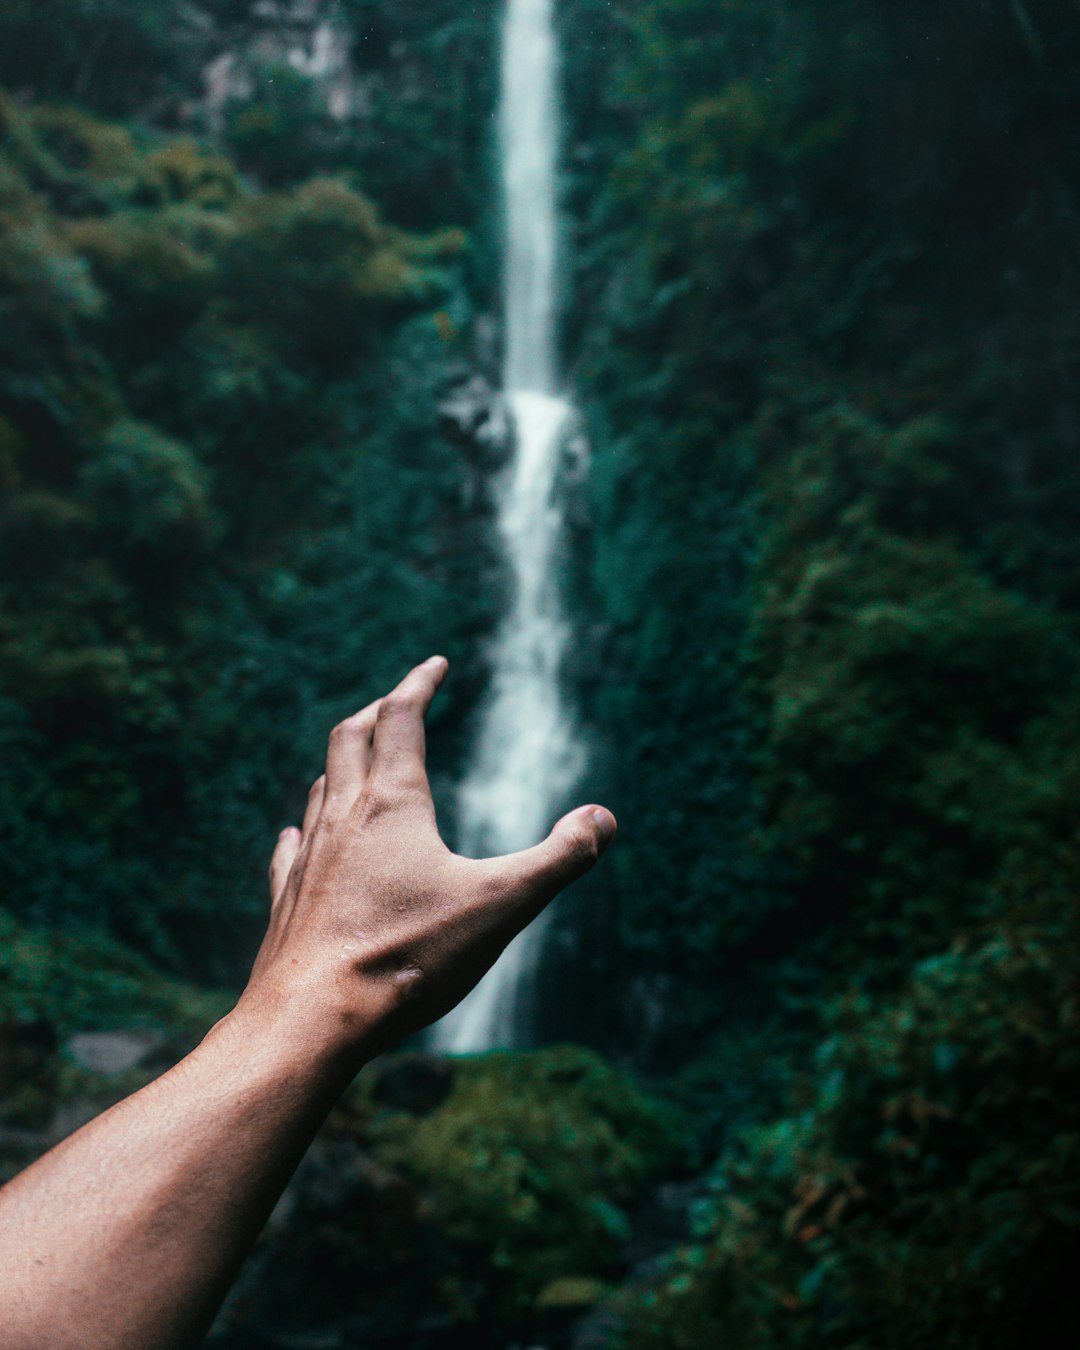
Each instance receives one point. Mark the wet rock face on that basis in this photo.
(473, 417)
(309, 36)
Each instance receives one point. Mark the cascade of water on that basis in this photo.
(526, 757)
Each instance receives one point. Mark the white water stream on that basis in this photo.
(526, 758)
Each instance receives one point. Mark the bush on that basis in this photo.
(925, 1191)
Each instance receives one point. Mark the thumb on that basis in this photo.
(538, 874)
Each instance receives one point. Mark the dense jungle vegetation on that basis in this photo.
(823, 325)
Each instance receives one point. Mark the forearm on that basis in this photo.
(130, 1232)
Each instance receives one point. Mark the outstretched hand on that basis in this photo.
(376, 927)
(131, 1230)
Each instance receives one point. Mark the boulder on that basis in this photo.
(474, 417)
(111, 1052)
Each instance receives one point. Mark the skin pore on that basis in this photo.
(129, 1233)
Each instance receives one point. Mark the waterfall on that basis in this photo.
(526, 758)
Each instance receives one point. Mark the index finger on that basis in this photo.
(399, 746)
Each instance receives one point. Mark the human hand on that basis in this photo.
(376, 927)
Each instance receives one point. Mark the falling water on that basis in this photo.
(527, 757)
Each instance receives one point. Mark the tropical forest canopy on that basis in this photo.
(822, 321)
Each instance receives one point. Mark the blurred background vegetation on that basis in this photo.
(825, 294)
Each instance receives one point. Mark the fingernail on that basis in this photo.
(436, 661)
(605, 823)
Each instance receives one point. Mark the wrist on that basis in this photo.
(304, 1030)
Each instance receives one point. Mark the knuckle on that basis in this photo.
(378, 801)
(335, 805)
(582, 846)
(410, 782)
(408, 983)
(398, 704)
(394, 793)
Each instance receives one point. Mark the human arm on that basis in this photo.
(129, 1233)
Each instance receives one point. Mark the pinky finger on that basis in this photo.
(288, 845)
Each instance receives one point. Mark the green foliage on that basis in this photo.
(148, 493)
(892, 657)
(927, 1186)
(410, 121)
(544, 1149)
(115, 51)
(76, 981)
(505, 1207)
(835, 498)
(530, 1167)
(315, 272)
(272, 129)
(864, 639)
(422, 147)
(195, 467)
